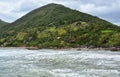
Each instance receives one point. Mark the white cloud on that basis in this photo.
(10, 10)
(6, 10)
(99, 9)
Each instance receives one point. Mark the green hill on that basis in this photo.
(2, 23)
(55, 25)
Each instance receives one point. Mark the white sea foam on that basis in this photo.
(16, 62)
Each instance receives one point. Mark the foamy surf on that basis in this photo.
(16, 62)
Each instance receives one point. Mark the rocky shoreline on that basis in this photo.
(82, 49)
(70, 48)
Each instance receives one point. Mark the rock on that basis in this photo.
(33, 48)
(115, 49)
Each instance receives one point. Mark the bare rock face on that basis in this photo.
(33, 48)
(115, 49)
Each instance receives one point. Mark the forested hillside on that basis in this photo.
(2, 23)
(55, 25)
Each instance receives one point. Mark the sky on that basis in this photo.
(11, 10)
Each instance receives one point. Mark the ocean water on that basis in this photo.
(16, 62)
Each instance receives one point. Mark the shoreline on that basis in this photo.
(70, 48)
(91, 49)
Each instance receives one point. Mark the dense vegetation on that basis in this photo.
(2, 23)
(57, 26)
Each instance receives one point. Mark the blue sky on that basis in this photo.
(11, 10)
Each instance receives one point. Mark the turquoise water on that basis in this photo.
(16, 62)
